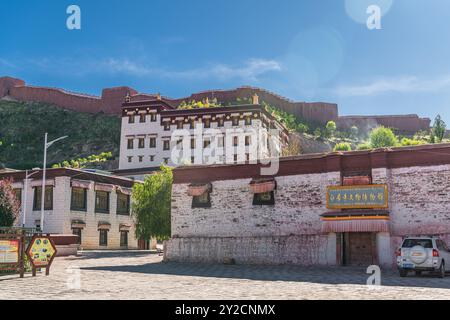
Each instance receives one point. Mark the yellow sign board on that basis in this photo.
(41, 251)
(358, 197)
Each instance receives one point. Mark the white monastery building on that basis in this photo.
(154, 132)
(94, 206)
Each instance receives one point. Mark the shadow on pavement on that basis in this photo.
(320, 275)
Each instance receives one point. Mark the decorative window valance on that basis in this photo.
(81, 184)
(356, 180)
(38, 183)
(197, 189)
(262, 186)
(104, 225)
(104, 187)
(78, 224)
(124, 227)
(124, 190)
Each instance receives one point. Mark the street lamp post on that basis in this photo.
(24, 207)
(46, 146)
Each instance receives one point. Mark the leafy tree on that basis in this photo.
(151, 205)
(330, 128)
(382, 137)
(9, 205)
(343, 146)
(439, 128)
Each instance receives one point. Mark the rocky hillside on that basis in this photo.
(22, 128)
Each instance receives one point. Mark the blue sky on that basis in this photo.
(304, 50)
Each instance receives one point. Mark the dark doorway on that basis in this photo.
(358, 249)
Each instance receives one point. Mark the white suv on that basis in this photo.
(423, 254)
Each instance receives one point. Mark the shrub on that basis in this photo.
(411, 142)
(382, 137)
(343, 146)
(364, 146)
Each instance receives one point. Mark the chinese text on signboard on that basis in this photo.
(357, 197)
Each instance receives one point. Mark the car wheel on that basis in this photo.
(403, 272)
(418, 273)
(442, 270)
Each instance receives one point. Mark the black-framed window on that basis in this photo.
(103, 238)
(180, 125)
(78, 200)
(131, 119)
(247, 140)
(192, 124)
(220, 122)
(124, 238)
(192, 143)
(101, 201)
(123, 204)
(141, 143)
(235, 141)
(130, 159)
(235, 121)
(206, 143)
(142, 118)
(130, 143)
(77, 232)
(166, 145)
(266, 198)
(48, 198)
(207, 123)
(153, 117)
(140, 158)
(166, 126)
(165, 160)
(248, 121)
(152, 158)
(202, 201)
(152, 142)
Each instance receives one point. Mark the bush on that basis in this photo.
(382, 137)
(9, 205)
(330, 128)
(343, 146)
(364, 146)
(411, 142)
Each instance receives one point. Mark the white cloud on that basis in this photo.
(404, 84)
(250, 70)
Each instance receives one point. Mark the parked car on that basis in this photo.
(423, 253)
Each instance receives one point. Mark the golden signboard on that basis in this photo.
(41, 251)
(9, 251)
(358, 197)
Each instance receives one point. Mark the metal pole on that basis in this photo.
(24, 206)
(43, 184)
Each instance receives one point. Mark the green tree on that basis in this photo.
(151, 205)
(330, 128)
(382, 137)
(9, 206)
(439, 128)
(343, 146)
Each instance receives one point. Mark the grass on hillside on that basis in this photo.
(23, 125)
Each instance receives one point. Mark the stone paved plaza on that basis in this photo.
(141, 275)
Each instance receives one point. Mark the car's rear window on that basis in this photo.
(409, 243)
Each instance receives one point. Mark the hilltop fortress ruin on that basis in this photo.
(111, 100)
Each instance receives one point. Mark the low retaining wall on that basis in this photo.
(294, 249)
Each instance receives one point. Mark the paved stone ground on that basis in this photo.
(141, 275)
